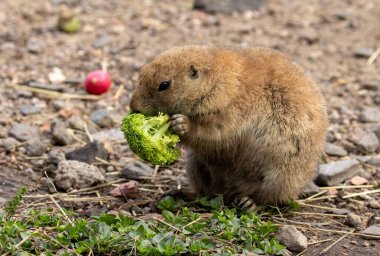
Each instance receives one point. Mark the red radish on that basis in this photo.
(97, 82)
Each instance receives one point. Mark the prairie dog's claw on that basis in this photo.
(246, 204)
(180, 124)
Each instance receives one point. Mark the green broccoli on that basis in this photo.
(149, 138)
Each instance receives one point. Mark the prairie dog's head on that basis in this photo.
(191, 80)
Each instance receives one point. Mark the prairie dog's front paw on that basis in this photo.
(180, 124)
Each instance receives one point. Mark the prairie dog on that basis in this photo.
(252, 122)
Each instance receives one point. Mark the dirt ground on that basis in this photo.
(331, 40)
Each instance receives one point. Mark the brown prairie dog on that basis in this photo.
(252, 122)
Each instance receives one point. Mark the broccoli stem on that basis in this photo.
(157, 126)
(161, 130)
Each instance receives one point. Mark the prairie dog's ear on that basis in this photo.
(193, 72)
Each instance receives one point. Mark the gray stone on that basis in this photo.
(310, 189)
(136, 170)
(374, 204)
(372, 231)
(75, 122)
(227, 6)
(101, 118)
(77, 175)
(35, 147)
(35, 46)
(309, 35)
(333, 173)
(29, 110)
(88, 153)
(47, 185)
(101, 41)
(374, 160)
(370, 115)
(3, 132)
(373, 85)
(353, 220)
(60, 135)
(363, 53)
(9, 144)
(56, 156)
(111, 134)
(334, 150)
(292, 238)
(369, 142)
(23, 132)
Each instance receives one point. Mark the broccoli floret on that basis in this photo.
(149, 138)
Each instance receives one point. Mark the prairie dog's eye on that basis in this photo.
(193, 72)
(164, 86)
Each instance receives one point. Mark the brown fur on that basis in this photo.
(253, 122)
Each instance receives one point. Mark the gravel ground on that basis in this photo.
(331, 40)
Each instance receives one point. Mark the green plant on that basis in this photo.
(150, 138)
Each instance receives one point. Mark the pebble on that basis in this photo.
(111, 134)
(35, 46)
(46, 185)
(77, 175)
(101, 41)
(374, 160)
(333, 173)
(75, 122)
(29, 110)
(363, 53)
(310, 189)
(56, 156)
(3, 132)
(369, 142)
(334, 150)
(370, 115)
(227, 6)
(23, 132)
(357, 180)
(292, 238)
(374, 204)
(353, 220)
(60, 135)
(366, 244)
(309, 35)
(35, 147)
(101, 118)
(373, 85)
(136, 170)
(9, 144)
(373, 230)
(88, 153)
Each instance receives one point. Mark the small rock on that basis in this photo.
(375, 160)
(101, 118)
(75, 174)
(60, 135)
(75, 122)
(56, 156)
(227, 6)
(136, 170)
(340, 211)
(336, 172)
(112, 134)
(357, 180)
(372, 231)
(363, 53)
(29, 110)
(110, 168)
(46, 185)
(35, 46)
(372, 85)
(292, 238)
(101, 41)
(309, 35)
(3, 132)
(88, 153)
(56, 76)
(370, 115)
(9, 144)
(334, 150)
(374, 204)
(310, 189)
(366, 244)
(353, 220)
(369, 142)
(35, 147)
(23, 132)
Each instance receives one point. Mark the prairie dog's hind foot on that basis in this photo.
(180, 124)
